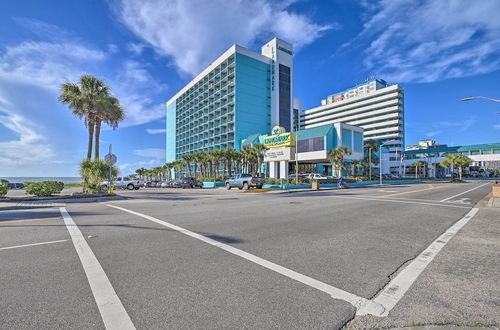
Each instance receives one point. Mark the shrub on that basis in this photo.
(3, 189)
(93, 172)
(44, 188)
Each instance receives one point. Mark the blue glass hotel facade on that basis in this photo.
(241, 93)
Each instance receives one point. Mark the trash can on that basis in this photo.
(495, 190)
(315, 185)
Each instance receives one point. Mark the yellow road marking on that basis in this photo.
(30, 220)
(431, 187)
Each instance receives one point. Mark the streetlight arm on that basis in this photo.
(479, 97)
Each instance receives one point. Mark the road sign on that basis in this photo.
(110, 159)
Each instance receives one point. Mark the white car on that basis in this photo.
(315, 176)
(123, 183)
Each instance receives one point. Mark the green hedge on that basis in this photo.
(3, 189)
(44, 188)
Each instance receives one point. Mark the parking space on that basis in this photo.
(225, 259)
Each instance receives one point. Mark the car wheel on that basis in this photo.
(245, 186)
(228, 186)
(192, 186)
(130, 186)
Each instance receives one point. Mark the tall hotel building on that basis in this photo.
(241, 93)
(375, 106)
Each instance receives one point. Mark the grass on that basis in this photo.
(73, 185)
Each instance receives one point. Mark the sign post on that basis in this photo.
(110, 159)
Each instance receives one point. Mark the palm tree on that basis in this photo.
(91, 100)
(417, 165)
(336, 157)
(259, 150)
(110, 112)
(450, 161)
(371, 147)
(188, 158)
(462, 161)
(248, 155)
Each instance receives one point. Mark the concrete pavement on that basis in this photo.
(353, 240)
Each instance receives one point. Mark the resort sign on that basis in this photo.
(278, 138)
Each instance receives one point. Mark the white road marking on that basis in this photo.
(336, 293)
(112, 311)
(33, 244)
(396, 288)
(446, 199)
(378, 199)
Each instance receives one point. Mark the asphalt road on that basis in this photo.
(225, 259)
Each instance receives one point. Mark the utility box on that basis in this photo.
(495, 190)
(315, 185)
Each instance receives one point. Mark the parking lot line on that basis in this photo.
(447, 199)
(397, 287)
(112, 311)
(336, 293)
(33, 244)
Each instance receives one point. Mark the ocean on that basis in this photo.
(21, 179)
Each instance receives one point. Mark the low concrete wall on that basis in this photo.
(213, 184)
(355, 184)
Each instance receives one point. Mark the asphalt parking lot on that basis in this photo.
(174, 258)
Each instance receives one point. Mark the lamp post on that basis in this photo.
(380, 157)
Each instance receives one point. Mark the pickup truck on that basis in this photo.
(123, 183)
(244, 181)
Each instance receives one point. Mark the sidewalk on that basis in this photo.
(460, 287)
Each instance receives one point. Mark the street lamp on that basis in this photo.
(380, 157)
(470, 98)
(479, 97)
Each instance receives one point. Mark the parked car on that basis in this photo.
(15, 185)
(188, 182)
(123, 183)
(244, 181)
(315, 176)
(154, 184)
(163, 184)
(176, 184)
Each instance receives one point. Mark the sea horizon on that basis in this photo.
(22, 179)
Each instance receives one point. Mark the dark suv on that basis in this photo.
(191, 183)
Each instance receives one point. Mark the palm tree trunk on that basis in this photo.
(91, 137)
(97, 137)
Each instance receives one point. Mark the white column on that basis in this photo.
(284, 169)
(272, 170)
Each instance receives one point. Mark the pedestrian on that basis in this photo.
(341, 183)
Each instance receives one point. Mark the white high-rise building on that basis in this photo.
(375, 106)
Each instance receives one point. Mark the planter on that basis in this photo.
(315, 185)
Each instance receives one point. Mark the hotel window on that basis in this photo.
(313, 144)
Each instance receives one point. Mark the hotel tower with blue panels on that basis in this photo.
(239, 94)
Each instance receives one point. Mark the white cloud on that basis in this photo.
(47, 64)
(432, 133)
(497, 126)
(139, 104)
(432, 40)
(136, 48)
(156, 130)
(29, 147)
(194, 32)
(150, 152)
(461, 125)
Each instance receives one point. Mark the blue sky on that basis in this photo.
(440, 51)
